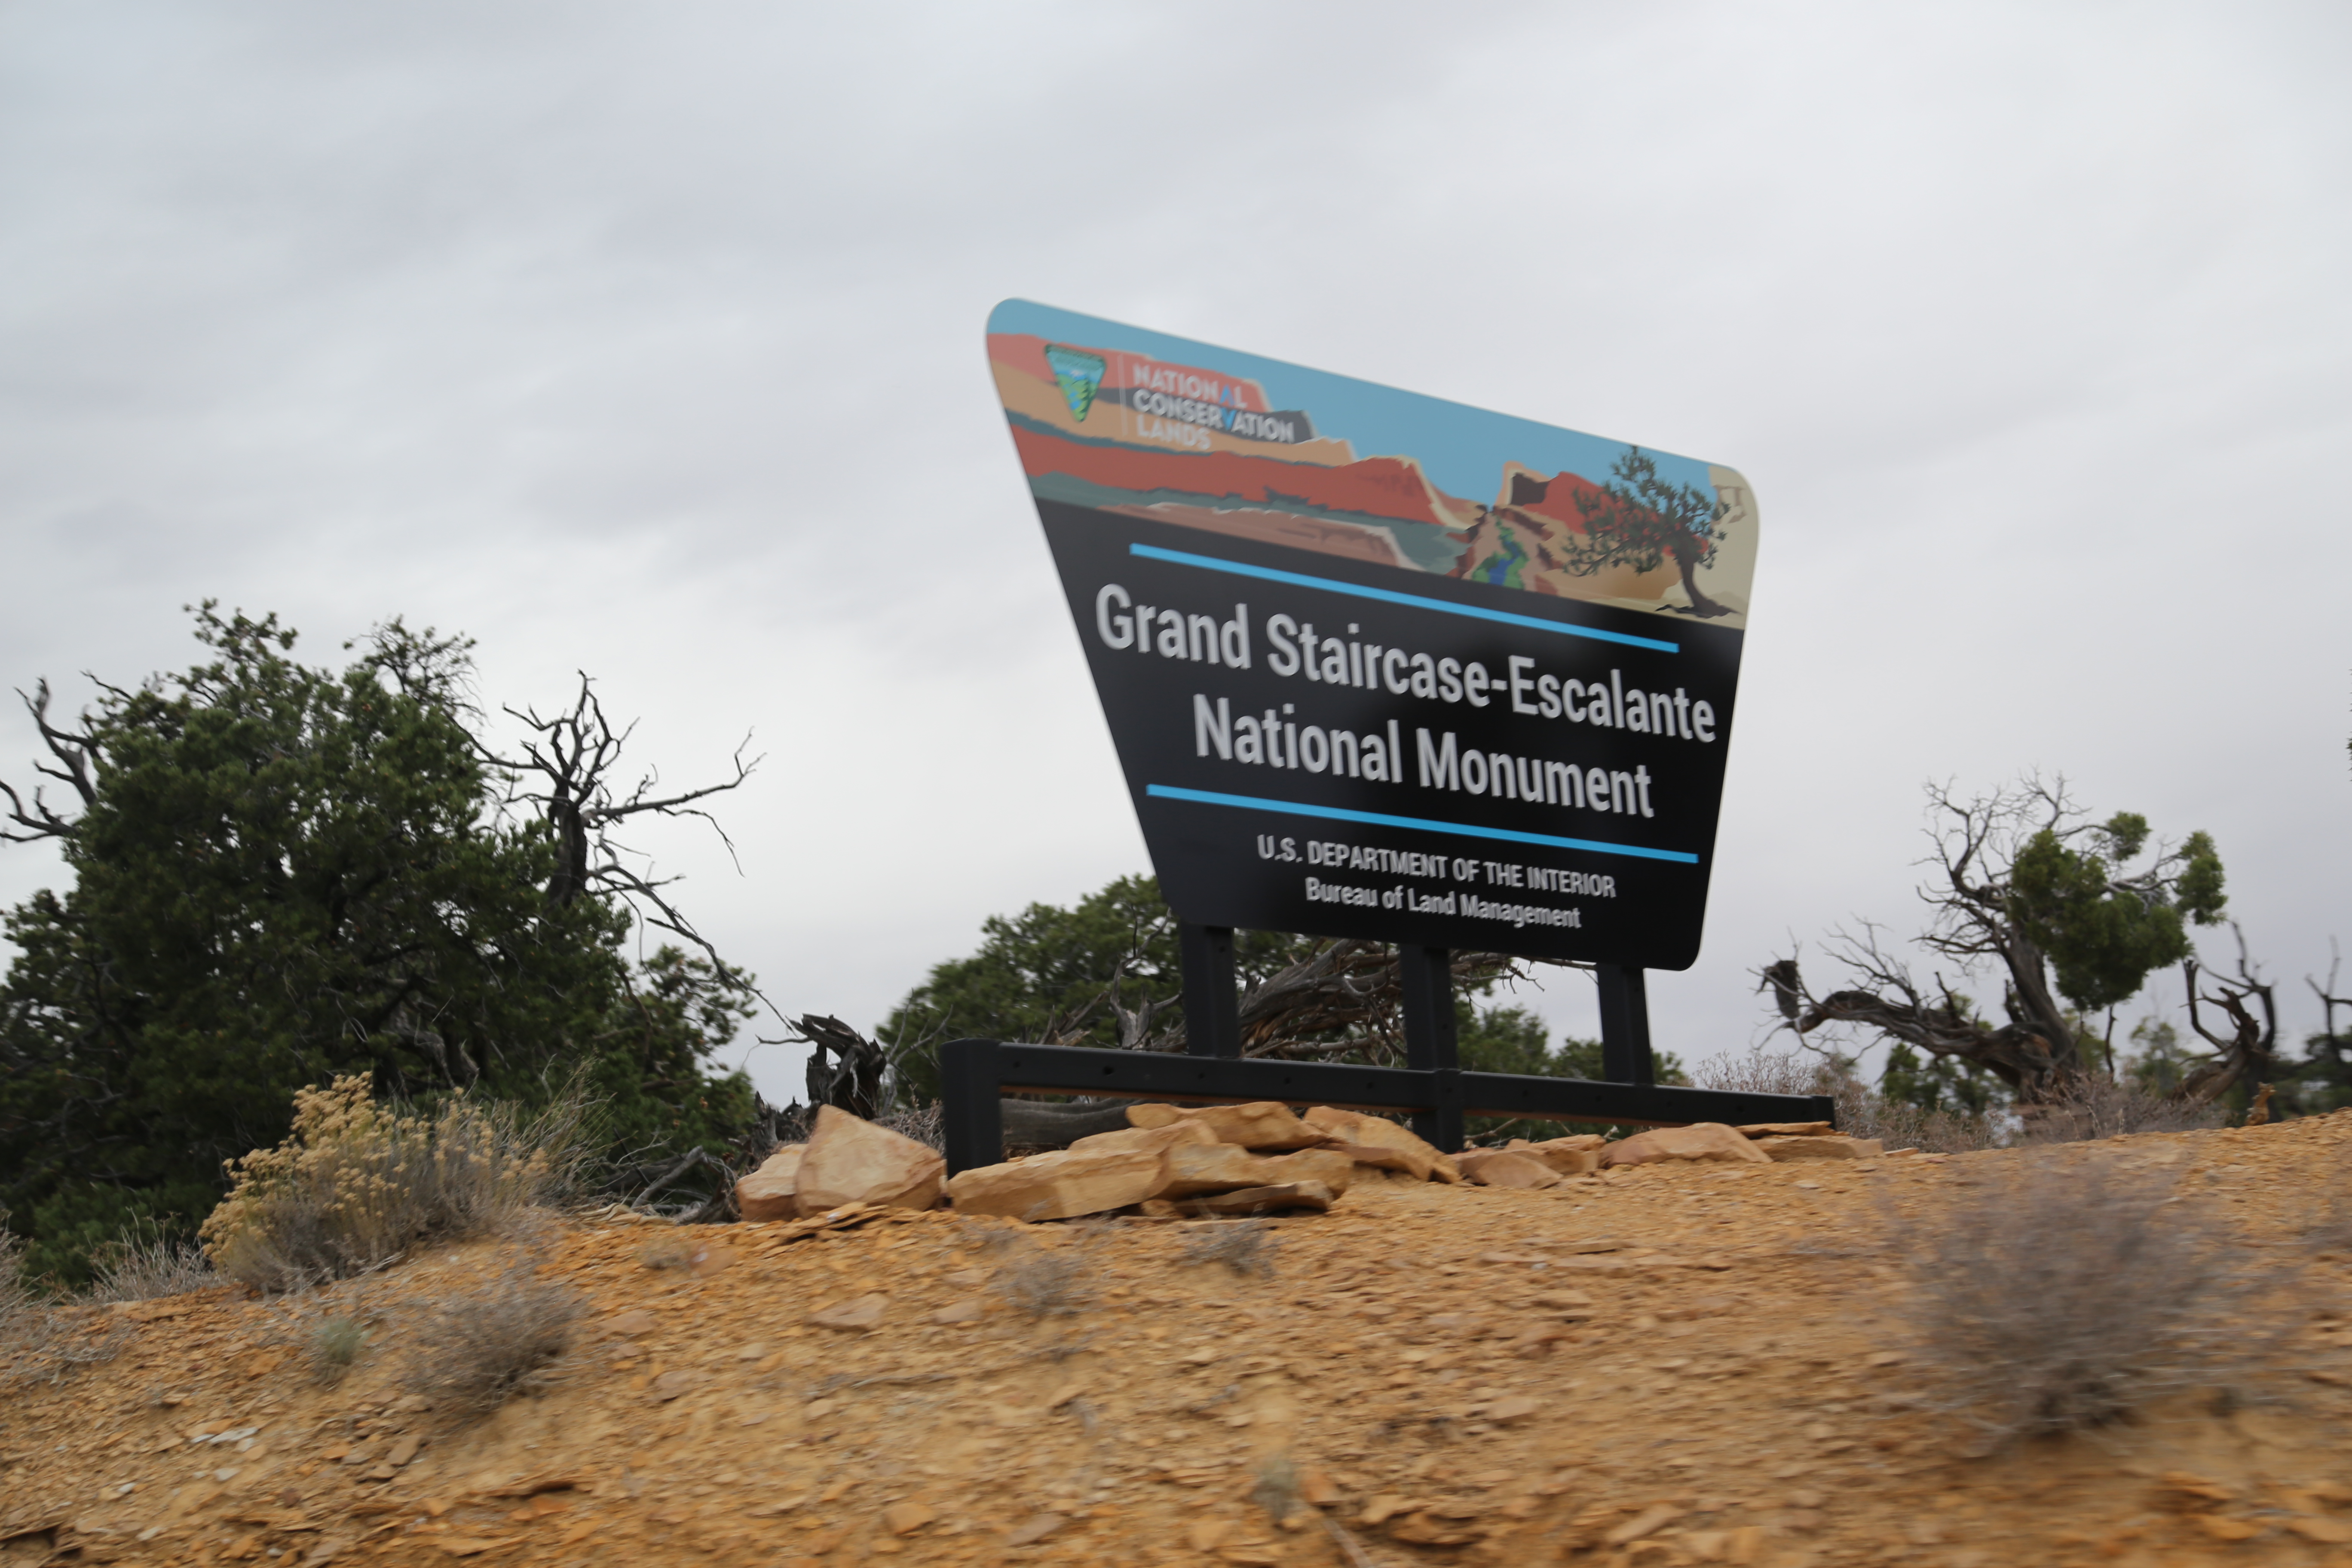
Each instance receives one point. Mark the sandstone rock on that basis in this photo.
(1827, 1146)
(1743, 1545)
(1207, 1534)
(1389, 1162)
(1312, 1196)
(768, 1192)
(966, 1311)
(1399, 1147)
(1535, 1340)
(1430, 1527)
(1153, 1139)
(1647, 1522)
(857, 1315)
(1783, 1128)
(405, 1449)
(851, 1161)
(1062, 1185)
(670, 1384)
(1195, 1168)
(1511, 1408)
(1036, 1529)
(1503, 1168)
(906, 1518)
(2183, 1491)
(1317, 1488)
(709, 1258)
(1573, 1156)
(1261, 1124)
(1701, 1141)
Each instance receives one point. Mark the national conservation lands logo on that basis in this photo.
(1078, 374)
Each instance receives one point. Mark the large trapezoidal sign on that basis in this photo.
(1379, 665)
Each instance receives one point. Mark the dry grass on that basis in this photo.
(472, 1350)
(2056, 1295)
(1057, 1282)
(359, 1183)
(924, 1123)
(22, 1316)
(334, 1349)
(42, 1341)
(1862, 1111)
(1246, 1247)
(2103, 1107)
(138, 1268)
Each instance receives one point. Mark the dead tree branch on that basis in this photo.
(73, 753)
(844, 1068)
(2249, 1052)
(565, 770)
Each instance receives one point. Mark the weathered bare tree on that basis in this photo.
(845, 1069)
(565, 772)
(74, 754)
(2328, 1000)
(2012, 873)
(2249, 1052)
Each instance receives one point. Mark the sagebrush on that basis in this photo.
(1049, 1283)
(1246, 1247)
(359, 1183)
(471, 1351)
(2056, 1295)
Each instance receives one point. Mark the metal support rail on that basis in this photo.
(975, 1073)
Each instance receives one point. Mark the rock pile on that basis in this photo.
(1257, 1158)
(1224, 1159)
(846, 1160)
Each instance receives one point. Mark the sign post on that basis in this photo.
(1382, 666)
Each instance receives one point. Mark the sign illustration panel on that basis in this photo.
(1383, 666)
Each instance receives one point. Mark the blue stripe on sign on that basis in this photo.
(1382, 819)
(1391, 596)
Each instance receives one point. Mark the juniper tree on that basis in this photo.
(280, 872)
(2025, 884)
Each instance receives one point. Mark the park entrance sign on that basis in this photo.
(1382, 666)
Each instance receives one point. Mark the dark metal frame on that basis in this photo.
(975, 1072)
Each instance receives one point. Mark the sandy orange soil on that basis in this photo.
(1449, 1373)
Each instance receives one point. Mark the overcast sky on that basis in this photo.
(647, 339)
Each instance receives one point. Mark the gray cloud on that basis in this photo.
(647, 339)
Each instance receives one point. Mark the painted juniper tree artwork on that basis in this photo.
(1641, 520)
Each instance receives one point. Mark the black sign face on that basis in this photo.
(1324, 732)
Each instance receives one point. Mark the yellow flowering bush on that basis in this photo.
(359, 1182)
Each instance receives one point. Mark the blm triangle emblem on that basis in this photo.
(1078, 374)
